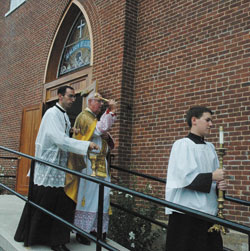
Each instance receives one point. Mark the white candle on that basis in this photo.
(221, 135)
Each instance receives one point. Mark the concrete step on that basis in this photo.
(11, 208)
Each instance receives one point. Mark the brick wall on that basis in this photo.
(7, 172)
(157, 58)
(193, 53)
(25, 38)
(114, 26)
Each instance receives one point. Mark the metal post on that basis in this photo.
(100, 216)
(31, 182)
(248, 242)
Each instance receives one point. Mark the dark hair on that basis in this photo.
(62, 89)
(196, 111)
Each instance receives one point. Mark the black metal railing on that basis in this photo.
(8, 157)
(226, 197)
(146, 176)
(98, 240)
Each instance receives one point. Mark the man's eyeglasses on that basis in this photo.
(98, 100)
(71, 96)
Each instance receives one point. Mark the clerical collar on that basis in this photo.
(60, 108)
(196, 139)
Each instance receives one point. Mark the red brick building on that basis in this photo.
(155, 57)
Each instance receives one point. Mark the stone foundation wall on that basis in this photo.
(235, 241)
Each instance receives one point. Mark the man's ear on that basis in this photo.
(193, 120)
(60, 96)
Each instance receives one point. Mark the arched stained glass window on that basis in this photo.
(77, 51)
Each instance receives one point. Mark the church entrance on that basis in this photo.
(30, 125)
(32, 116)
(70, 63)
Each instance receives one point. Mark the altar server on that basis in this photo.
(192, 178)
(52, 144)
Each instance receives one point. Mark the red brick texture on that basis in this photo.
(193, 53)
(25, 38)
(157, 58)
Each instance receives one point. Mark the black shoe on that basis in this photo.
(82, 239)
(94, 233)
(61, 247)
(104, 235)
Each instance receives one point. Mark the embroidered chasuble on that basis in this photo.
(86, 192)
(86, 122)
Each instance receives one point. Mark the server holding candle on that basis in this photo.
(192, 178)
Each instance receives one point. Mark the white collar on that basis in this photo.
(60, 106)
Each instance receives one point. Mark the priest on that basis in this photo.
(192, 179)
(52, 144)
(84, 192)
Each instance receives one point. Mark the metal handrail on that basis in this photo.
(189, 211)
(98, 240)
(236, 200)
(104, 244)
(7, 157)
(226, 197)
(139, 174)
(139, 215)
(7, 176)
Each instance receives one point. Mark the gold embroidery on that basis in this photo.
(98, 161)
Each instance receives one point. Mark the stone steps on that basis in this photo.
(11, 208)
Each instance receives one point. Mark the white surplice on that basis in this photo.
(86, 216)
(186, 161)
(53, 144)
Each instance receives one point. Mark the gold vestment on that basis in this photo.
(86, 122)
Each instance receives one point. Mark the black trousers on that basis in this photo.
(186, 233)
(36, 227)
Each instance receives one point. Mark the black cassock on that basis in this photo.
(38, 228)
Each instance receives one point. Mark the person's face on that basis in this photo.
(67, 100)
(95, 105)
(201, 126)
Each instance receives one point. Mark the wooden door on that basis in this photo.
(30, 124)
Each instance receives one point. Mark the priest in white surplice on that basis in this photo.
(84, 192)
(192, 178)
(52, 144)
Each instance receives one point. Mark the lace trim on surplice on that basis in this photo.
(87, 221)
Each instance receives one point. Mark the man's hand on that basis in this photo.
(105, 136)
(75, 130)
(93, 146)
(112, 105)
(222, 185)
(218, 175)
